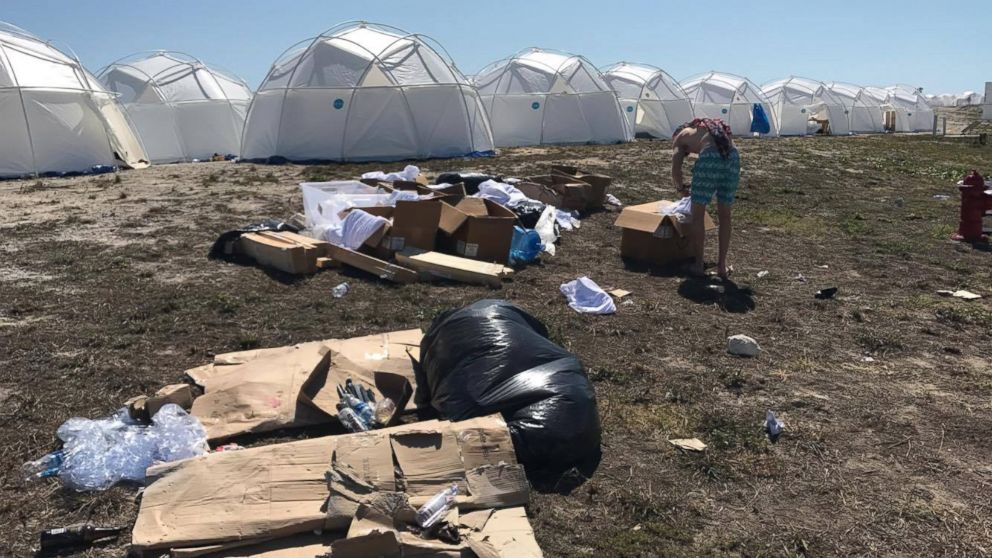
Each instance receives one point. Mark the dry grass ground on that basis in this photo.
(106, 292)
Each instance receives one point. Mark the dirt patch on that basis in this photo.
(884, 391)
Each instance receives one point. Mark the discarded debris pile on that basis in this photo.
(433, 488)
(397, 226)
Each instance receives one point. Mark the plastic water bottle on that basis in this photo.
(384, 411)
(437, 507)
(526, 245)
(75, 535)
(44, 467)
(350, 419)
(361, 408)
(340, 290)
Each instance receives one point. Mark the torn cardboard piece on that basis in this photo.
(286, 251)
(656, 238)
(688, 444)
(263, 394)
(453, 268)
(280, 490)
(964, 295)
(370, 264)
(142, 408)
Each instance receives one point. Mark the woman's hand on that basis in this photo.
(683, 190)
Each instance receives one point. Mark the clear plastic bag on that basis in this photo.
(100, 453)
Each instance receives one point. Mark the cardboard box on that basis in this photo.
(652, 237)
(414, 225)
(477, 229)
(599, 183)
(283, 251)
(569, 194)
(280, 490)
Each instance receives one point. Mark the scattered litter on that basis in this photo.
(742, 345)
(824, 294)
(545, 228)
(627, 303)
(773, 426)
(941, 197)
(437, 507)
(228, 447)
(823, 266)
(586, 297)
(340, 290)
(682, 207)
(525, 246)
(77, 535)
(688, 444)
(619, 293)
(567, 220)
(762, 274)
(966, 295)
(800, 277)
(96, 454)
(612, 200)
(453, 268)
(409, 174)
(867, 359)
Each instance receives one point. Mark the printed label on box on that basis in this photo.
(397, 243)
(471, 250)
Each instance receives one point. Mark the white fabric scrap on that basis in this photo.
(586, 297)
(356, 228)
(567, 220)
(409, 173)
(681, 210)
(501, 193)
(545, 228)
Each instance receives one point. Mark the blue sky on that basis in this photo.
(943, 49)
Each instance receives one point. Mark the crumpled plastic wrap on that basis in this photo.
(100, 453)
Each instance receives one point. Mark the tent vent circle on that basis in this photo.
(338, 104)
(630, 109)
(535, 105)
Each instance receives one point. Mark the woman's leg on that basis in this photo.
(723, 212)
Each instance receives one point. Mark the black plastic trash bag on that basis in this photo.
(223, 247)
(471, 180)
(492, 357)
(529, 213)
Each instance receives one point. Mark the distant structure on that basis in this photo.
(987, 107)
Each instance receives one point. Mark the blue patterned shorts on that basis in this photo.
(712, 174)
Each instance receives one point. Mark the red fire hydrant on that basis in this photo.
(975, 201)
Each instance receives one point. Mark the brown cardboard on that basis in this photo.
(263, 394)
(435, 265)
(599, 183)
(652, 237)
(380, 268)
(272, 250)
(414, 224)
(179, 394)
(573, 194)
(280, 490)
(477, 229)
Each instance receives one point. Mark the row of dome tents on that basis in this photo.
(966, 99)
(368, 92)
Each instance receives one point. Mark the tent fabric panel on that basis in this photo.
(15, 144)
(33, 71)
(261, 135)
(206, 128)
(482, 134)
(441, 120)
(67, 132)
(156, 125)
(380, 126)
(606, 122)
(312, 127)
(516, 120)
(565, 121)
(325, 65)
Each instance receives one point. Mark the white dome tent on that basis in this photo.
(796, 102)
(863, 110)
(968, 98)
(727, 97)
(365, 92)
(182, 108)
(913, 112)
(55, 117)
(545, 97)
(653, 102)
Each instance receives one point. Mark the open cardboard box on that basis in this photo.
(477, 229)
(572, 194)
(414, 225)
(599, 183)
(652, 237)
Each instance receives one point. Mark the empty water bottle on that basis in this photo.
(384, 411)
(526, 245)
(340, 290)
(349, 419)
(75, 535)
(46, 466)
(437, 507)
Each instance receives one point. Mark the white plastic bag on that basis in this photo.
(586, 297)
(409, 173)
(545, 228)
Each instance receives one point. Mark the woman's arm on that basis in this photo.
(678, 157)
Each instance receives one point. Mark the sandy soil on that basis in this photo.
(886, 391)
